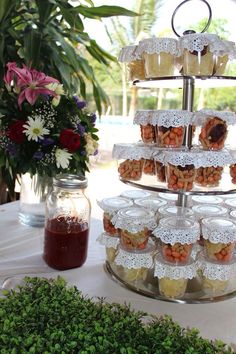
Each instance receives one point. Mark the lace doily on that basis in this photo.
(229, 48)
(177, 229)
(134, 219)
(158, 45)
(131, 151)
(214, 158)
(182, 158)
(219, 230)
(113, 204)
(197, 42)
(208, 210)
(128, 54)
(144, 117)
(163, 269)
(233, 155)
(108, 241)
(135, 260)
(171, 118)
(217, 271)
(150, 203)
(200, 117)
(159, 154)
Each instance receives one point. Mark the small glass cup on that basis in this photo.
(222, 252)
(173, 210)
(213, 134)
(177, 253)
(208, 176)
(149, 167)
(180, 178)
(172, 288)
(160, 171)
(134, 240)
(131, 169)
(214, 286)
(170, 136)
(206, 199)
(148, 133)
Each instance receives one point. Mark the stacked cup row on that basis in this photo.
(180, 169)
(193, 54)
(166, 128)
(133, 250)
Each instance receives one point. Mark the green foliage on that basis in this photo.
(45, 316)
(49, 35)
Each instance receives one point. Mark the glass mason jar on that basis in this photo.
(67, 223)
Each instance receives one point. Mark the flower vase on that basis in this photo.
(33, 193)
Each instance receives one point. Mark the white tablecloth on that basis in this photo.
(21, 253)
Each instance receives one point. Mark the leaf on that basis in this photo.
(32, 46)
(44, 9)
(74, 21)
(6, 7)
(103, 11)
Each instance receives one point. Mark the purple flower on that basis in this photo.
(11, 148)
(46, 141)
(95, 152)
(38, 155)
(81, 129)
(93, 117)
(83, 153)
(79, 104)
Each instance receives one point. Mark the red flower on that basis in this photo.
(70, 140)
(15, 132)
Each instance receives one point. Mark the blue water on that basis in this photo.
(114, 120)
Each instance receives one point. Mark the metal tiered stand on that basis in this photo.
(149, 287)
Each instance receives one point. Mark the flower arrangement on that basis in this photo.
(42, 130)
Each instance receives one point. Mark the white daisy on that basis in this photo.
(62, 158)
(34, 129)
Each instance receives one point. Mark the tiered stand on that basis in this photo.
(149, 287)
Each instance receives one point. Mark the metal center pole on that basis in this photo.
(187, 104)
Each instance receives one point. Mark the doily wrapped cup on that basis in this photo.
(230, 203)
(134, 265)
(111, 245)
(111, 206)
(147, 129)
(134, 63)
(151, 203)
(214, 127)
(172, 279)
(216, 276)
(219, 238)
(135, 224)
(159, 56)
(199, 53)
(173, 210)
(177, 235)
(206, 199)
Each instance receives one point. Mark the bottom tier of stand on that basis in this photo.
(149, 288)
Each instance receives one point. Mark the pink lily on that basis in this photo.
(9, 76)
(32, 84)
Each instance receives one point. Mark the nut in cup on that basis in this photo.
(232, 171)
(148, 133)
(180, 178)
(134, 63)
(213, 134)
(134, 240)
(177, 253)
(219, 238)
(170, 136)
(149, 167)
(131, 169)
(208, 176)
(160, 171)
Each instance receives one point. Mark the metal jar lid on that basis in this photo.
(66, 180)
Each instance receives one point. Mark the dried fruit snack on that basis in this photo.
(134, 240)
(177, 253)
(180, 177)
(170, 137)
(131, 169)
(134, 63)
(208, 176)
(213, 134)
(232, 171)
(159, 56)
(148, 134)
(149, 167)
(219, 238)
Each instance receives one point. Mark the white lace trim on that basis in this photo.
(165, 270)
(144, 117)
(220, 235)
(172, 236)
(215, 158)
(201, 116)
(150, 203)
(182, 158)
(128, 54)
(112, 208)
(215, 271)
(131, 151)
(158, 45)
(133, 260)
(108, 241)
(144, 219)
(171, 118)
(197, 42)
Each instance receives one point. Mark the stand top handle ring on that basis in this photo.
(190, 31)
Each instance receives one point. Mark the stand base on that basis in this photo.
(149, 288)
